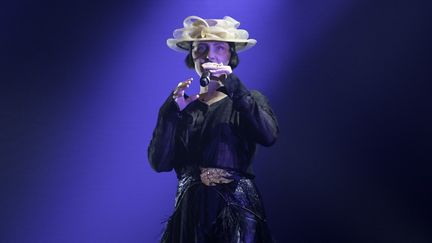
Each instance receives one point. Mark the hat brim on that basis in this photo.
(184, 45)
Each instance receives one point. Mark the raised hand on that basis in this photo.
(179, 94)
(217, 69)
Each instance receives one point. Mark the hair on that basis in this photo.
(233, 62)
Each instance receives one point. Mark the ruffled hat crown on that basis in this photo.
(199, 29)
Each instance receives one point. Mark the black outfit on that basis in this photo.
(221, 135)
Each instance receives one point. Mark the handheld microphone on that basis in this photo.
(205, 78)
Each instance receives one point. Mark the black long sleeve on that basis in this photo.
(161, 151)
(255, 111)
(222, 135)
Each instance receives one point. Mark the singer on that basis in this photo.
(209, 139)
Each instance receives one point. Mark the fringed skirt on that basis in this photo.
(225, 213)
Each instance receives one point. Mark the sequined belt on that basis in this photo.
(211, 176)
(214, 176)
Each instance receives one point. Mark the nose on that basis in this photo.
(211, 55)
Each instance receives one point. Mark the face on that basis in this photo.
(210, 51)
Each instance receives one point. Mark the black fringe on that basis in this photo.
(227, 223)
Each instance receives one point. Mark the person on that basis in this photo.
(209, 139)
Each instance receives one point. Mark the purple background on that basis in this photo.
(82, 82)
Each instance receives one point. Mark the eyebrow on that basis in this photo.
(220, 44)
(199, 44)
(223, 44)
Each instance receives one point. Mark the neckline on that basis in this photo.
(216, 102)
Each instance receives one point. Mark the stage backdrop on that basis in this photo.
(82, 83)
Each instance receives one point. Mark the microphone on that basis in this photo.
(205, 78)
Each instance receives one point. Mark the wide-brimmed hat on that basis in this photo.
(199, 29)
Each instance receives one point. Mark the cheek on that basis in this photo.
(226, 59)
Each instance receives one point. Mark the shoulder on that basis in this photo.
(258, 96)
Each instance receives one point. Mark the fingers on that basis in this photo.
(179, 90)
(217, 69)
(185, 83)
(220, 72)
(212, 65)
(192, 98)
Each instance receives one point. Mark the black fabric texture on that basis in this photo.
(221, 135)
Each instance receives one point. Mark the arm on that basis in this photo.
(161, 151)
(162, 145)
(255, 112)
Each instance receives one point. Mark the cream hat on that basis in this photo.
(198, 29)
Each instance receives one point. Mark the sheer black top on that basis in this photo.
(222, 135)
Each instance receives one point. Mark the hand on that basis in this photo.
(217, 69)
(179, 94)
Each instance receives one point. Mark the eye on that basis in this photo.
(201, 48)
(221, 48)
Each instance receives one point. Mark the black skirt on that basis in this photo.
(225, 213)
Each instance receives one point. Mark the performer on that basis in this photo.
(209, 139)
